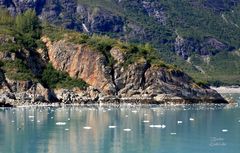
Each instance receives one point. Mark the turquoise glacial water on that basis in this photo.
(124, 129)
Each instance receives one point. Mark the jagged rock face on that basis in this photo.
(140, 79)
(155, 10)
(210, 46)
(98, 20)
(12, 91)
(80, 61)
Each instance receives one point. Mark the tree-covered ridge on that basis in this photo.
(23, 34)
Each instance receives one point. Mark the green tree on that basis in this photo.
(28, 29)
(28, 23)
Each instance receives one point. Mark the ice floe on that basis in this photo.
(127, 130)
(87, 127)
(157, 126)
(30, 116)
(146, 121)
(61, 123)
(173, 133)
(66, 129)
(191, 119)
(179, 122)
(112, 127)
(224, 130)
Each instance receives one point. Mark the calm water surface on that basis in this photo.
(146, 129)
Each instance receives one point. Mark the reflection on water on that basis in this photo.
(125, 129)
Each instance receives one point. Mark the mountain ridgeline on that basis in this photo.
(41, 62)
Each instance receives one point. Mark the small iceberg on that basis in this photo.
(87, 127)
(179, 122)
(127, 130)
(61, 123)
(112, 127)
(69, 119)
(30, 116)
(146, 121)
(224, 130)
(38, 121)
(191, 119)
(66, 129)
(157, 126)
(134, 111)
(13, 121)
(173, 133)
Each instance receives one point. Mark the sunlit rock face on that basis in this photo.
(139, 80)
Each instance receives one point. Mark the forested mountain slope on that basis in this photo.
(199, 36)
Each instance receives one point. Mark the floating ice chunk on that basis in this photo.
(51, 117)
(191, 119)
(239, 121)
(109, 109)
(224, 130)
(87, 127)
(66, 129)
(179, 122)
(126, 115)
(32, 120)
(157, 126)
(38, 121)
(127, 130)
(111, 127)
(146, 121)
(173, 133)
(61, 123)
(69, 119)
(151, 126)
(30, 116)
(134, 111)
(13, 121)
(145, 114)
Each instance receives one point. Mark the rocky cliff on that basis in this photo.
(139, 80)
(59, 65)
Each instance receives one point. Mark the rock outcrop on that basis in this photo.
(140, 80)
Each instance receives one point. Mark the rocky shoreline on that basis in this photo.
(70, 97)
(140, 81)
